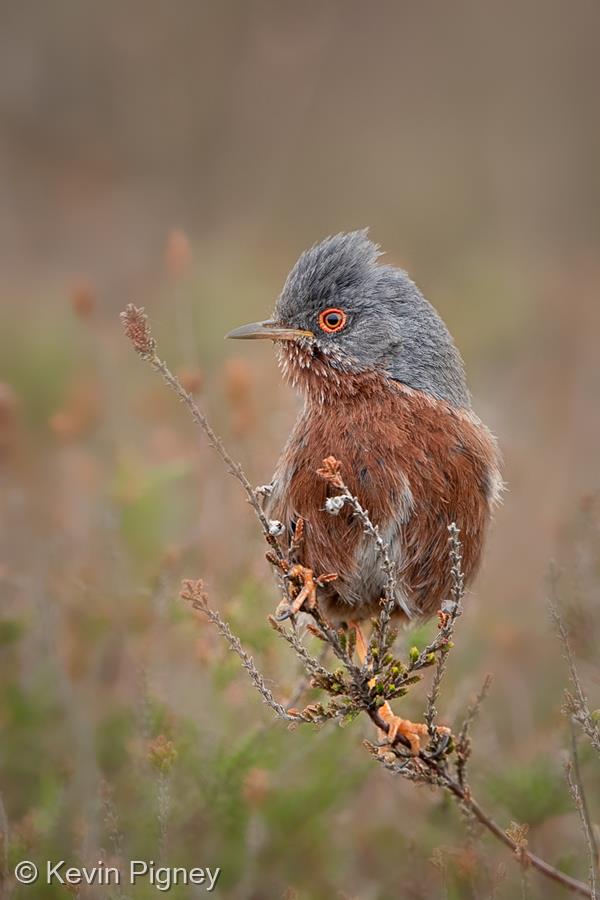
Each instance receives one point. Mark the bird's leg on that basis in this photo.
(412, 731)
(361, 644)
(397, 726)
(306, 596)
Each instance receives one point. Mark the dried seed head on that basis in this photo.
(193, 592)
(161, 753)
(299, 530)
(137, 329)
(330, 471)
(518, 833)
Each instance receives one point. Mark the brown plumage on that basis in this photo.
(416, 464)
(384, 393)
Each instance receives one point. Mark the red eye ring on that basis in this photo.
(332, 319)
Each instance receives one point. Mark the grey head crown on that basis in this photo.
(390, 326)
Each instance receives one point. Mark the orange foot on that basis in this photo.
(306, 596)
(412, 731)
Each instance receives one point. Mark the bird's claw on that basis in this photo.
(306, 596)
(283, 611)
(412, 732)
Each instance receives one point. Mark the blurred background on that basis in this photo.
(180, 156)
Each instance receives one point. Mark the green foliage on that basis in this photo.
(531, 793)
(146, 501)
(10, 631)
(39, 360)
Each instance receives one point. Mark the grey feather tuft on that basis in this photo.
(390, 325)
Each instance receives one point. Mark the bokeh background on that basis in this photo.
(180, 155)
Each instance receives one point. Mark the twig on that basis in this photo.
(305, 683)
(326, 632)
(577, 792)
(301, 687)
(193, 592)
(576, 705)
(137, 329)
(463, 742)
(464, 795)
(448, 617)
(311, 663)
(331, 472)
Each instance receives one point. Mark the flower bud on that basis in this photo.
(334, 505)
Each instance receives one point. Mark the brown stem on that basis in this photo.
(521, 853)
(577, 791)
(571, 884)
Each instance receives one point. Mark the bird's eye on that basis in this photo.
(332, 320)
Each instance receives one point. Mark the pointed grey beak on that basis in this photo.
(269, 330)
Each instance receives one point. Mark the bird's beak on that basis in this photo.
(269, 330)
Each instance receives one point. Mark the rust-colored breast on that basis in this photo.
(417, 464)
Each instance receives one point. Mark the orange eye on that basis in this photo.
(332, 320)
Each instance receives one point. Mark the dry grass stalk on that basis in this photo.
(193, 592)
(576, 707)
(576, 791)
(576, 704)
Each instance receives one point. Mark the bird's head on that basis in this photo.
(340, 313)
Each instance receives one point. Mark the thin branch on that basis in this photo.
(295, 697)
(448, 617)
(572, 884)
(576, 704)
(464, 796)
(322, 628)
(577, 792)
(193, 592)
(463, 742)
(137, 329)
(392, 597)
(331, 472)
(473, 710)
(304, 684)
(311, 663)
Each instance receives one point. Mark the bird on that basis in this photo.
(384, 393)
